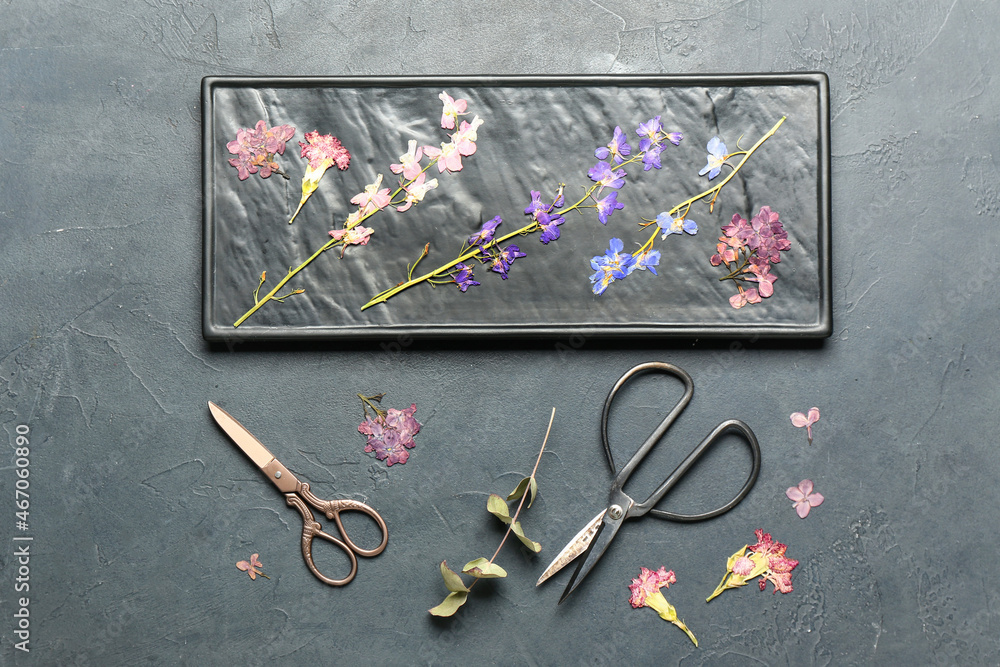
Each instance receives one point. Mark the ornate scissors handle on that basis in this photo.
(311, 529)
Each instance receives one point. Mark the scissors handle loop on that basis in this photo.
(678, 408)
(311, 529)
(685, 465)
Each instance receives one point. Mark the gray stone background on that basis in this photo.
(140, 507)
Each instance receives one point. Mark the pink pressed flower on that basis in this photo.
(409, 162)
(804, 498)
(372, 199)
(799, 420)
(251, 567)
(465, 138)
(743, 297)
(324, 150)
(743, 566)
(354, 236)
(779, 570)
(452, 109)
(416, 190)
(763, 277)
(724, 255)
(648, 583)
(447, 157)
(255, 149)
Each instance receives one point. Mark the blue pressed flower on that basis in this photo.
(650, 133)
(611, 266)
(485, 235)
(716, 157)
(651, 158)
(617, 148)
(550, 226)
(669, 225)
(464, 276)
(603, 174)
(647, 260)
(607, 206)
(536, 204)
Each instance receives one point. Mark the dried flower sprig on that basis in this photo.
(325, 151)
(390, 432)
(751, 247)
(766, 560)
(250, 567)
(646, 593)
(546, 217)
(481, 568)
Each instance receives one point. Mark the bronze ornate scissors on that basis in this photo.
(298, 495)
(597, 535)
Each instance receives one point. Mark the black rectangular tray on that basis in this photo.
(538, 132)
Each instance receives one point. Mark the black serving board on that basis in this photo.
(539, 131)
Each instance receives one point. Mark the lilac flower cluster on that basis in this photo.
(390, 435)
(751, 247)
(255, 149)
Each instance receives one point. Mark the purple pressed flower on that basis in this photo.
(404, 423)
(536, 204)
(464, 276)
(501, 261)
(651, 158)
(675, 138)
(611, 266)
(763, 277)
(669, 225)
(549, 225)
(716, 157)
(485, 235)
(617, 148)
(650, 133)
(607, 206)
(646, 260)
(603, 174)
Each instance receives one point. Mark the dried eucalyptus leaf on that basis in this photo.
(497, 506)
(482, 568)
(519, 490)
(452, 581)
(531, 544)
(450, 604)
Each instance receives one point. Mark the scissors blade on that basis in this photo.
(258, 453)
(576, 546)
(606, 531)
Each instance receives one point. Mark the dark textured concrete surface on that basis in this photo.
(140, 507)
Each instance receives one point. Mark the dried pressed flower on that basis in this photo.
(803, 497)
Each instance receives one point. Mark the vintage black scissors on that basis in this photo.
(298, 495)
(597, 535)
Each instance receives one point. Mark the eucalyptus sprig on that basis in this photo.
(481, 568)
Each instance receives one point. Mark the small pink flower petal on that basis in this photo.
(816, 499)
(802, 509)
(806, 487)
(813, 415)
(795, 494)
(799, 419)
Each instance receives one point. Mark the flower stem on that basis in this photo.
(527, 492)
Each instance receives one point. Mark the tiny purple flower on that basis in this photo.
(716, 157)
(485, 235)
(675, 138)
(651, 158)
(536, 204)
(617, 148)
(550, 226)
(603, 174)
(607, 206)
(501, 261)
(464, 276)
(650, 133)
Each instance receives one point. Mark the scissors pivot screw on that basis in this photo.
(615, 512)
(277, 474)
